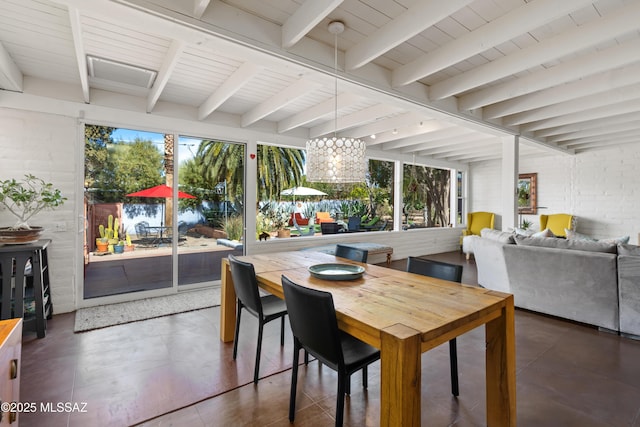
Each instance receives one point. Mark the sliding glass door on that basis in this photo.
(161, 211)
(211, 225)
(125, 250)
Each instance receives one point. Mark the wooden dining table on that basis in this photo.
(404, 315)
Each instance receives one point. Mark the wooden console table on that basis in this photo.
(25, 291)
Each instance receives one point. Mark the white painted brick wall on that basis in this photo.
(485, 189)
(44, 145)
(599, 187)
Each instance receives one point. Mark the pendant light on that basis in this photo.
(336, 159)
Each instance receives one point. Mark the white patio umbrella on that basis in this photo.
(301, 191)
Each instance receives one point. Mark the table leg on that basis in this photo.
(400, 373)
(227, 304)
(501, 369)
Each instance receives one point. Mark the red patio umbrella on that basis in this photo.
(162, 191)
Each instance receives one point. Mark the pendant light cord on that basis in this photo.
(335, 73)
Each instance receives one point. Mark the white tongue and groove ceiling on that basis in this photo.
(445, 80)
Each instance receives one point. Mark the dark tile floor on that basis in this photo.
(567, 375)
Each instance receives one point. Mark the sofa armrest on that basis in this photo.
(576, 285)
(490, 263)
(629, 294)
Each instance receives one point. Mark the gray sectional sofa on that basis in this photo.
(596, 283)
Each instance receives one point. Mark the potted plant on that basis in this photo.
(109, 234)
(119, 248)
(102, 244)
(128, 246)
(280, 222)
(24, 199)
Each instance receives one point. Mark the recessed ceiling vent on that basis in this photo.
(105, 69)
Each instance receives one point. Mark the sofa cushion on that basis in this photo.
(579, 245)
(544, 233)
(572, 235)
(617, 240)
(522, 232)
(577, 236)
(497, 235)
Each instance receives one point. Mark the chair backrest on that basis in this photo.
(183, 228)
(142, 229)
(329, 227)
(476, 221)
(557, 223)
(313, 322)
(245, 284)
(323, 217)
(354, 223)
(371, 223)
(354, 254)
(437, 269)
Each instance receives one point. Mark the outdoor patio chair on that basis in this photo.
(297, 218)
(183, 228)
(323, 217)
(371, 225)
(265, 309)
(445, 271)
(329, 227)
(354, 223)
(314, 325)
(144, 233)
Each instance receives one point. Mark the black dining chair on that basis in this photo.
(315, 329)
(445, 271)
(349, 252)
(266, 308)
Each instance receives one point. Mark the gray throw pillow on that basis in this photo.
(497, 235)
(577, 245)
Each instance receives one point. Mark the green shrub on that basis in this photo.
(233, 227)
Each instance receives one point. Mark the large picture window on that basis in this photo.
(426, 193)
(289, 206)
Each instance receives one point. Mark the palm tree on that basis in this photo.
(168, 170)
(278, 167)
(222, 162)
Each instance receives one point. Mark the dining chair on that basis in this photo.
(312, 316)
(445, 271)
(266, 308)
(349, 252)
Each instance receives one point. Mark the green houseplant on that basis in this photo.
(24, 199)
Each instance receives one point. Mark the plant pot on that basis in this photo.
(118, 249)
(102, 246)
(128, 248)
(10, 236)
(284, 233)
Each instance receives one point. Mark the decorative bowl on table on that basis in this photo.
(336, 271)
